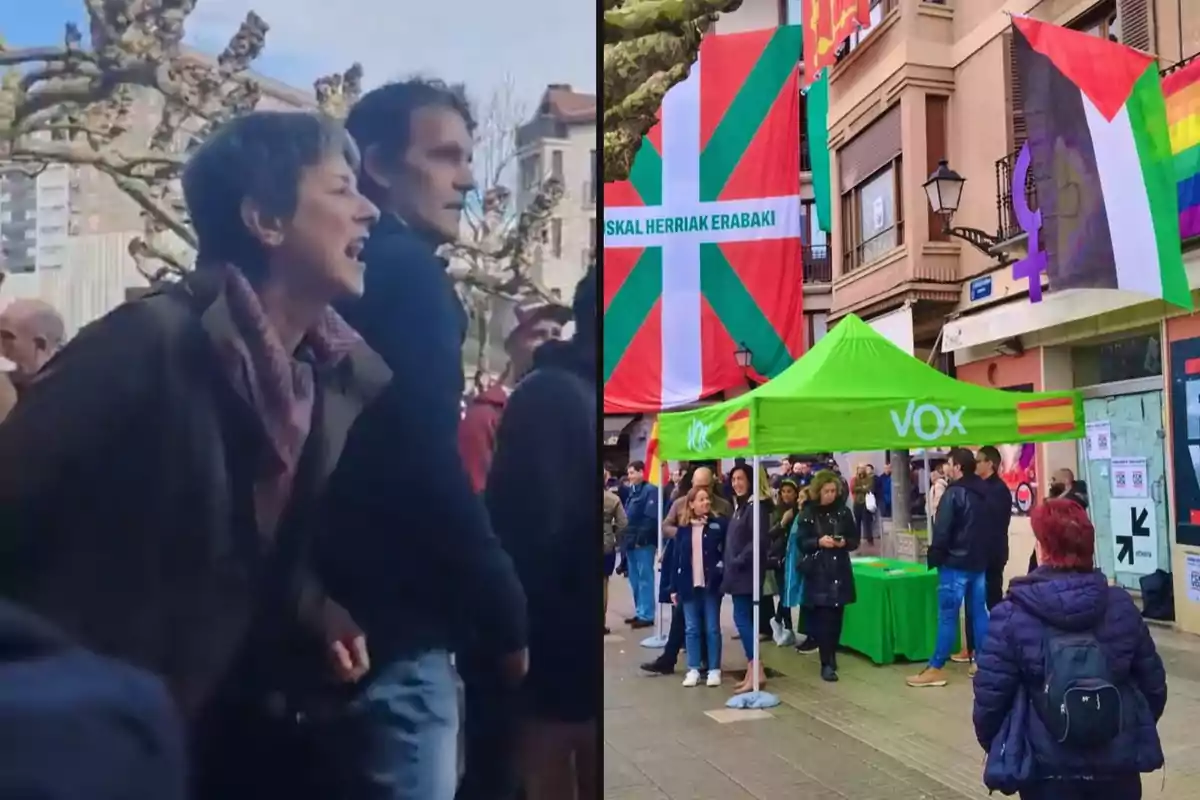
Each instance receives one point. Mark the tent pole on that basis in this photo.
(658, 558)
(757, 665)
(928, 489)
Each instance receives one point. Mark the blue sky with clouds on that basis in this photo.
(482, 43)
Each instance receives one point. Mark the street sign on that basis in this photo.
(1135, 535)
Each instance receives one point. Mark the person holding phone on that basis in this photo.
(828, 535)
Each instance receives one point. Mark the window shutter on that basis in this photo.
(1017, 130)
(1136, 19)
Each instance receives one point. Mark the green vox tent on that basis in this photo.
(855, 390)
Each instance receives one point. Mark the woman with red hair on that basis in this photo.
(1070, 687)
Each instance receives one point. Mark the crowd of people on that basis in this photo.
(1068, 685)
(248, 540)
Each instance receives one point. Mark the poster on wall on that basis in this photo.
(1135, 535)
(1185, 438)
(1192, 568)
(1128, 476)
(1018, 467)
(1099, 440)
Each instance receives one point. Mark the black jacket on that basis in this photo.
(997, 518)
(960, 530)
(829, 580)
(414, 549)
(127, 505)
(739, 546)
(78, 725)
(541, 494)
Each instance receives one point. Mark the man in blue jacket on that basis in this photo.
(411, 553)
(960, 551)
(640, 543)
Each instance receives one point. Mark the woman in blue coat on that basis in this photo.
(699, 554)
(1063, 626)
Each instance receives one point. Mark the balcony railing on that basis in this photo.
(1007, 216)
(1008, 227)
(817, 266)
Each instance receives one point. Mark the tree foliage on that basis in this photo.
(81, 105)
(649, 46)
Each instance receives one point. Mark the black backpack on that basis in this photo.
(1079, 704)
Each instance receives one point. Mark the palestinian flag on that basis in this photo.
(702, 243)
(1102, 156)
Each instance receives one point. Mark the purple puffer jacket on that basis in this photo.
(1012, 655)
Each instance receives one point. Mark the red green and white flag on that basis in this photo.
(702, 243)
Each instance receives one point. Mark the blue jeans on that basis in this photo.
(953, 586)
(407, 720)
(743, 620)
(702, 616)
(641, 580)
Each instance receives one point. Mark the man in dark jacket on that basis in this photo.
(994, 530)
(639, 544)
(960, 552)
(547, 439)
(414, 558)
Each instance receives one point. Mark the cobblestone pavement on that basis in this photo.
(867, 737)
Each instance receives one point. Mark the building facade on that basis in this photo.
(559, 141)
(936, 80)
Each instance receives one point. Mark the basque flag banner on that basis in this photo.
(702, 245)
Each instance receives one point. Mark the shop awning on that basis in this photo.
(1021, 316)
(614, 425)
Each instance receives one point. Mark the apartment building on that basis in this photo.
(933, 81)
(560, 141)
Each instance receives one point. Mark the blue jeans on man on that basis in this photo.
(641, 580)
(955, 586)
(407, 719)
(702, 619)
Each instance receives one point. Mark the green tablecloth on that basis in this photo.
(896, 613)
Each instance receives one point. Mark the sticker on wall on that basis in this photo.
(1129, 478)
(1099, 440)
(1135, 535)
(1192, 567)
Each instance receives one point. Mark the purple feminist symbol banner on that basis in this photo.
(1033, 265)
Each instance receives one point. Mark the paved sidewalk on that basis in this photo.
(867, 737)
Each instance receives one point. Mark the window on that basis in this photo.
(1123, 359)
(556, 237)
(592, 233)
(879, 9)
(790, 13)
(872, 218)
(1101, 21)
(556, 164)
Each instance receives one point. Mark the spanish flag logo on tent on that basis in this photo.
(1046, 416)
(654, 464)
(737, 429)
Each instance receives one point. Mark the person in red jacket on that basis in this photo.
(537, 322)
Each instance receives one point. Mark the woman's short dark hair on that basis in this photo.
(382, 117)
(260, 156)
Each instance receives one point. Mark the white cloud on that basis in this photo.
(477, 42)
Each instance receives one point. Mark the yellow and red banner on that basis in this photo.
(828, 23)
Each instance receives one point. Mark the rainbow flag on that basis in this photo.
(654, 464)
(1182, 91)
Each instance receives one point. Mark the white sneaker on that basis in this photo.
(692, 678)
(714, 677)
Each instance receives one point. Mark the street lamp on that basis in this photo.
(944, 190)
(744, 357)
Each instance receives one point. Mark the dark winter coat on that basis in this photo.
(547, 439)
(1012, 656)
(642, 510)
(77, 725)
(715, 539)
(960, 532)
(127, 511)
(666, 570)
(409, 524)
(739, 546)
(997, 519)
(777, 537)
(829, 575)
